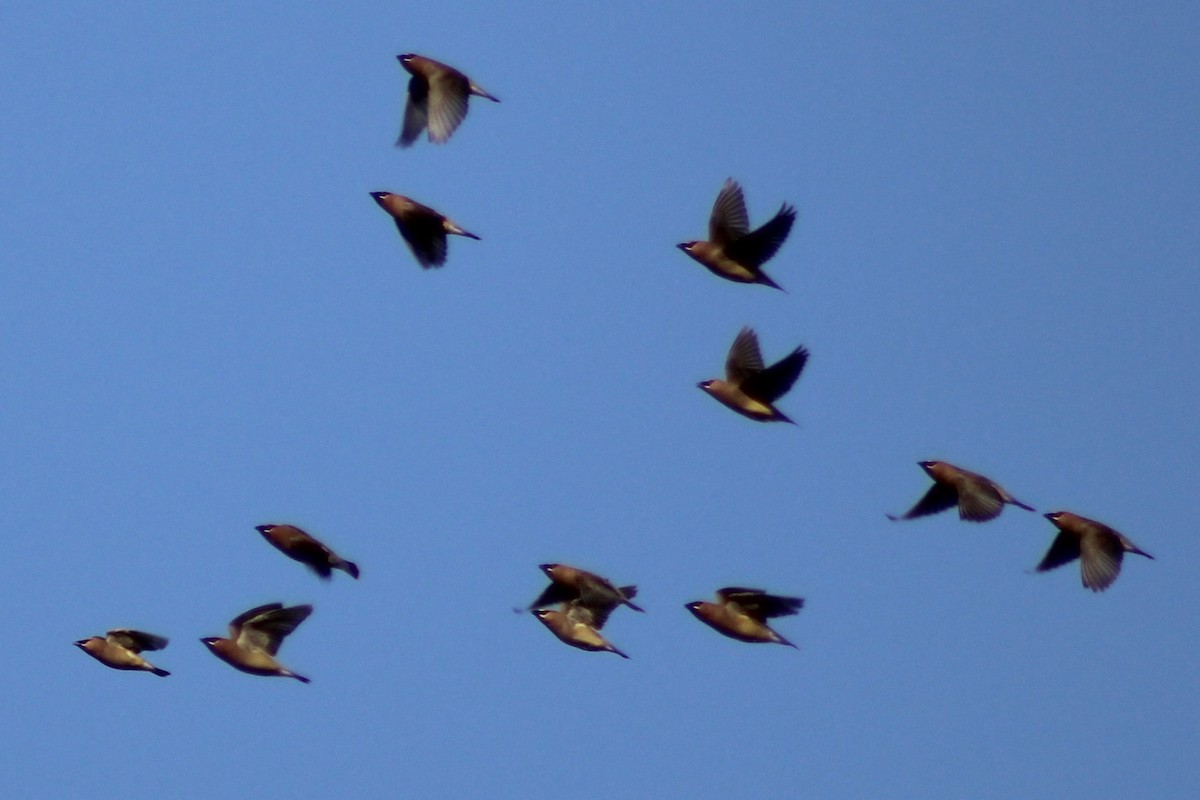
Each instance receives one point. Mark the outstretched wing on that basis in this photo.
(776, 380)
(728, 221)
(744, 359)
(757, 248)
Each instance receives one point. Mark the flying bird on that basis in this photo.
(1098, 547)
(119, 649)
(578, 625)
(437, 99)
(733, 251)
(978, 498)
(254, 639)
(748, 388)
(422, 228)
(569, 584)
(742, 614)
(300, 546)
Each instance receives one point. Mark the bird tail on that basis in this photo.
(765, 280)
(630, 592)
(453, 228)
(478, 92)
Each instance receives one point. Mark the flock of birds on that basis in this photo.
(577, 603)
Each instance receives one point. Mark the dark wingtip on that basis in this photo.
(1019, 504)
(893, 517)
(350, 568)
(300, 678)
(162, 673)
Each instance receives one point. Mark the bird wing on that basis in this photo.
(774, 382)
(416, 111)
(978, 500)
(591, 615)
(595, 590)
(448, 93)
(939, 497)
(1101, 554)
(267, 629)
(755, 249)
(728, 221)
(758, 604)
(744, 359)
(425, 237)
(1063, 550)
(310, 552)
(137, 641)
(554, 594)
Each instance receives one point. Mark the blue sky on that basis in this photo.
(207, 324)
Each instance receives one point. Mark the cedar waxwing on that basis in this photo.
(978, 498)
(1098, 547)
(437, 99)
(742, 613)
(254, 639)
(300, 546)
(578, 625)
(748, 388)
(120, 648)
(568, 584)
(734, 252)
(422, 228)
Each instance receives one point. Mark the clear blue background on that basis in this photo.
(207, 324)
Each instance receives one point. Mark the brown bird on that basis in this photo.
(748, 388)
(578, 625)
(120, 647)
(437, 99)
(978, 498)
(742, 614)
(569, 584)
(254, 639)
(1098, 547)
(300, 546)
(422, 228)
(734, 252)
